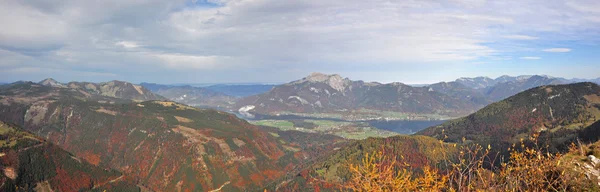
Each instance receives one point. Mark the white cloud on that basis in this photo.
(520, 37)
(531, 58)
(183, 62)
(294, 36)
(127, 44)
(557, 50)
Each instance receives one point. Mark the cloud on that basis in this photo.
(127, 44)
(183, 62)
(520, 37)
(557, 50)
(530, 58)
(222, 37)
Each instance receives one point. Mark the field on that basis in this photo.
(349, 130)
(368, 114)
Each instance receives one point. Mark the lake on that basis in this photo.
(406, 127)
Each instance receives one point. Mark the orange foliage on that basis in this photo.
(90, 157)
(528, 169)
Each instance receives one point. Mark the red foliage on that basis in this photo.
(65, 181)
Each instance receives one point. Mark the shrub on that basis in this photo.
(527, 169)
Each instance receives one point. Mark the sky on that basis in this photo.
(236, 41)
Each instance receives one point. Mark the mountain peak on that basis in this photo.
(321, 77)
(336, 81)
(51, 82)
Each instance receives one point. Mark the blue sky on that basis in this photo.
(229, 41)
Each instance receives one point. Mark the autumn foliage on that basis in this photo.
(527, 169)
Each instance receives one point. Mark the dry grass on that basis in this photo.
(592, 98)
(528, 169)
(183, 119)
(103, 110)
(170, 104)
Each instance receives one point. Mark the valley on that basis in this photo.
(155, 143)
(299, 96)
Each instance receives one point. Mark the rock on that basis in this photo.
(595, 161)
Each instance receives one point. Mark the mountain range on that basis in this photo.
(159, 145)
(558, 114)
(110, 136)
(321, 93)
(330, 93)
(193, 96)
(234, 90)
(118, 89)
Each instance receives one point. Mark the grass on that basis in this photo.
(5, 128)
(364, 114)
(12, 137)
(349, 130)
(274, 134)
(281, 124)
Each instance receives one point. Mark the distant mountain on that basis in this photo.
(29, 163)
(162, 145)
(241, 90)
(52, 83)
(509, 88)
(329, 93)
(118, 89)
(506, 86)
(462, 92)
(477, 82)
(486, 82)
(193, 96)
(552, 109)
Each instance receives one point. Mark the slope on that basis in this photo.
(30, 163)
(162, 145)
(416, 151)
(546, 109)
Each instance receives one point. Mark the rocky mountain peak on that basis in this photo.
(320, 77)
(51, 82)
(336, 81)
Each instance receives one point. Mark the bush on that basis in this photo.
(527, 169)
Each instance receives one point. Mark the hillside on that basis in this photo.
(545, 110)
(162, 145)
(30, 163)
(320, 93)
(416, 151)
